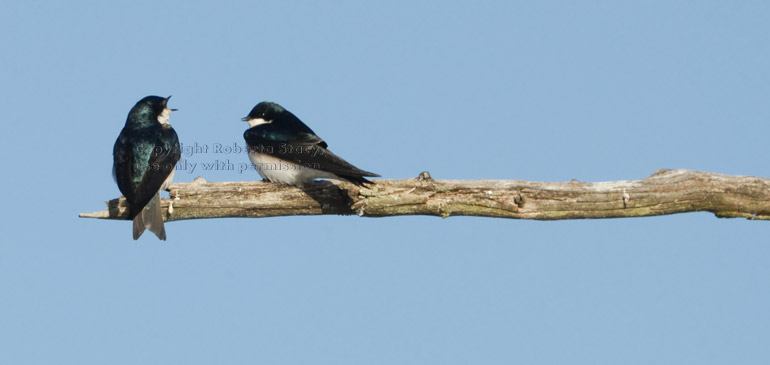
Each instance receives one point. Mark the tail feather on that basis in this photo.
(151, 217)
(358, 180)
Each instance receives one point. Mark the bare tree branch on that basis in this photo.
(665, 192)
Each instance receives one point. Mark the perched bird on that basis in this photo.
(285, 151)
(144, 160)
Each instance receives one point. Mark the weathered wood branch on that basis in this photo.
(665, 192)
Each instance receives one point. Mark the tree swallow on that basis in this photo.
(285, 151)
(144, 160)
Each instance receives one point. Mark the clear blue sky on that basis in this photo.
(541, 90)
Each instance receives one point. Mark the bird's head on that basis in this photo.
(263, 113)
(151, 108)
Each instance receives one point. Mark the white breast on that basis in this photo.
(285, 172)
(164, 115)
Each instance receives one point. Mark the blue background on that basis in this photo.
(544, 91)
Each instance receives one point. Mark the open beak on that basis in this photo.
(167, 99)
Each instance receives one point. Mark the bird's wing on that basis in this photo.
(305, 150)
(142, 167)
(297, 130)
(122, 155)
